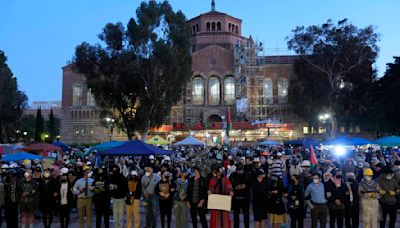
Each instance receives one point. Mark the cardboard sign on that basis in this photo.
(219, 202)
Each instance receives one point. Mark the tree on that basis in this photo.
(26, 123)
(51, 128)
(385, 100)
(39, 129)
(334, 72)
(140, 72)
(12, 101)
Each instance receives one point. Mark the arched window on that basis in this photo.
(213, 26)
(237, 29)
(208, 26)
(214, 93)
(198, 91)
(229, 26)
(282, 90)
(267, 91)
(218, 26)
(77, 95)
(229, 90)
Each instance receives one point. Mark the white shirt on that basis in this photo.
(63, 192)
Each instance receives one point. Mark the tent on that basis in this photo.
(106, 146)
(347, 141)
(305, 142)
(21, 156)
(269, 143)
(64, 147)
(190, 141)
(157, 140)
(134, 148)
(41, 148)
(388, 141)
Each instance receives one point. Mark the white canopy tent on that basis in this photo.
(190, 141)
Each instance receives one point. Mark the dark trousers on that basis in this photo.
(165, 210)
(64, 215)
(102, 211)
(319, 213)
(392, 211)
(336, 216)
(244, 206)
(194, 211)
(47, 216)
(296, 218)
(11, 213)
(352, 216)
(1, 215)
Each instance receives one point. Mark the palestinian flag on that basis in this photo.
(228, 127)
(313, 159)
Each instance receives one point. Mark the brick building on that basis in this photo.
(230, 71)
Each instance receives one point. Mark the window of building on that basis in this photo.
(219, 26)
(197, 28)
(198, 91)
(229, 26)
(213, 26)
(237, 29)
(214, 92)
(305, 130)
(267, 92)
(77, 95)
(208, 26)
(90, 98)
(193, 29)
(282, 90)
(229, 90)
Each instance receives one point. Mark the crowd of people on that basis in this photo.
(278, 186)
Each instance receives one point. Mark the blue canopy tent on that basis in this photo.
(347, 141)
(64, 147)
(303, 142)
(134, 148)
(269, 143)
(190, 141)
(388, 141)
(21, 156)
(104, 146)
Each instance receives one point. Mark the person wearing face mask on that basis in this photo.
(317, 202)
(396, 170)
(296, 202)
(66, 199)
(37, 176)
(165, 190)
(388, 200)
(197, 197)
(149, 182)
(368, 190)
(352, 206)
(101, 197)
(83, 190)
(27, 188)
(119, 188)
(133, 200)
(336, 193)
(259, 189)
(46, 193)
(180, 201)
(240, 201)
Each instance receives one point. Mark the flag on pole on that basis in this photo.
(228, 127)
(313, 159)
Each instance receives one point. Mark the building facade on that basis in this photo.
(230, 72)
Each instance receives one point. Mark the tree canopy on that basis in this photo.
(138, 73)
(12, 101)
(334, 71)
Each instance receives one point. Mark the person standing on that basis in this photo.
(119, 188)
(2, 197)
(296, 202)
(180, 201)
(11, 199)
(368, 190)
(83, 190)
(336, 193)
(277, 210)
(101, 198)
(352, 205)
(27, 188)
(165, 190)
(149, 182)
(66, 200)
(133, 199)
(220, 185)
(197, 197)
(46, 194)
(259, 188)
(388, 200)
(318, 202)
(241, 198)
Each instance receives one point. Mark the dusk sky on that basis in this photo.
(40, 36)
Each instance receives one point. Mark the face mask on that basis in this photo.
(316, 181)
(338, 176)
(368, 178)
(46, 175)
(389, 177)
(64, 179)
(147, 174)
(351, 180)
(26, 175)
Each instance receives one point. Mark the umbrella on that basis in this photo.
(269, 143)
(388, 141)
(190, 141)
(41, 148)
(157, 140)
(64, 147)
(134, 148)
(21, 156)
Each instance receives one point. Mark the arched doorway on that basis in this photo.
(214, 119)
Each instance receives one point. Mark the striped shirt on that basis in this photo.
(277, 168)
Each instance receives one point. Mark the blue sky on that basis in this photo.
(39, 36)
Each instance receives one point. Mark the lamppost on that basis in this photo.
(110, 122)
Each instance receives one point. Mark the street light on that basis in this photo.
(110, 121)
